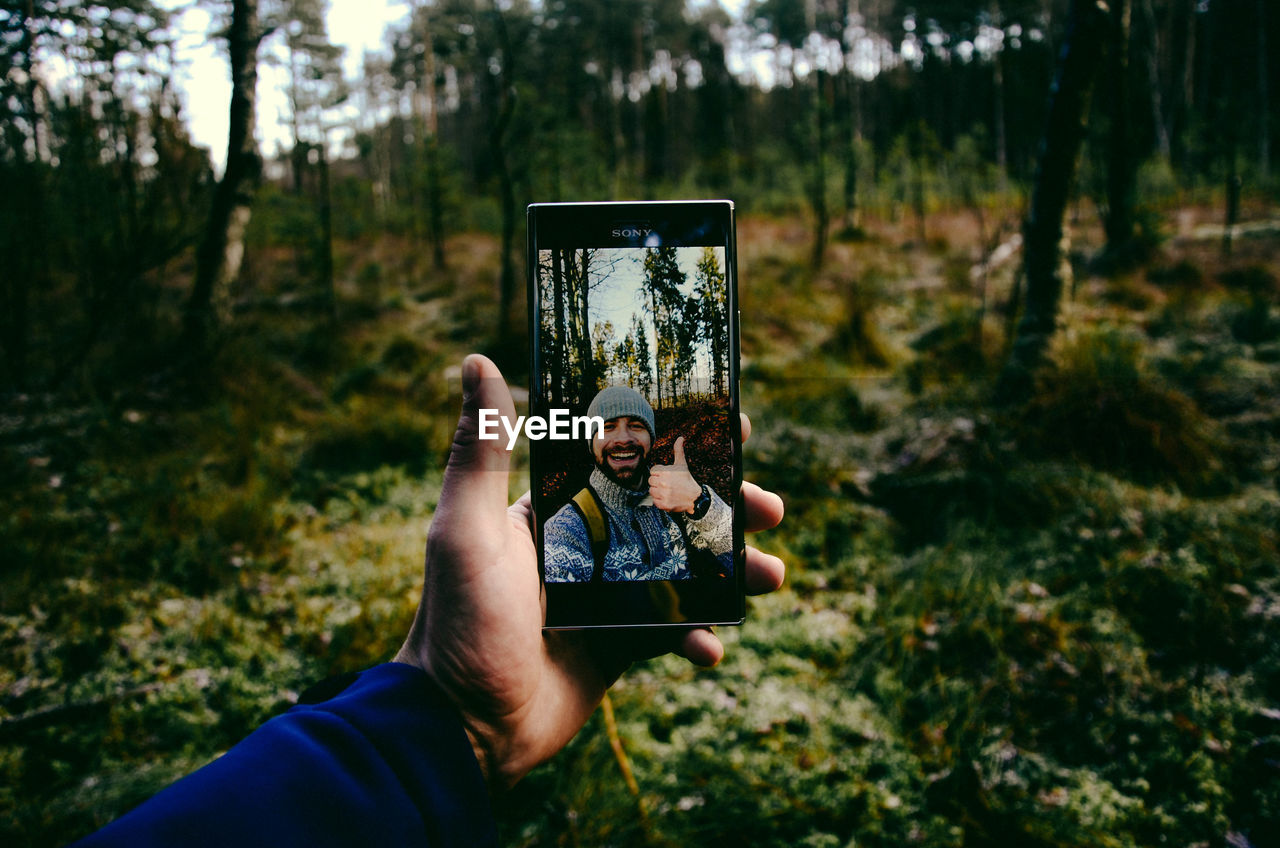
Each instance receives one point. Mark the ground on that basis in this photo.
(1048, 624)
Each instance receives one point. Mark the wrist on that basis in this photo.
(701, 504)
(484, 753)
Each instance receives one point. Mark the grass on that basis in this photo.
(1050, 625)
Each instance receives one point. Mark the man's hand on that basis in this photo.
(672, 487)
(522, 693)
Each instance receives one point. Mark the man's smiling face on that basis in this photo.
(620, 453)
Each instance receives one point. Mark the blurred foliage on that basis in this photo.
(1054, 624)
(1046, 624)
(1099, 403)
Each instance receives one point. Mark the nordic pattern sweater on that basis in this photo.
(645, 543)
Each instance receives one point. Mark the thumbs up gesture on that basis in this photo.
(672, 487)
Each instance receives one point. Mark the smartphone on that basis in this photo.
(636, 475)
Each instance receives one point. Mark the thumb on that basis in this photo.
(475, 481)
(678, 452)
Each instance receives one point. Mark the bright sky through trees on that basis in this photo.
(356, 25)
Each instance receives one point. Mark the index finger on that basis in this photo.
(764, 508)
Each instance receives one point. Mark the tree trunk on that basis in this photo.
(655, 137)
(1188, 88)
(818, 188)
(657, 342)
(222, 246)
(327, 290)
(435, 192)
(1121, 167)
(573, 352)
(27, 270)
(1159, 119)
(298, 155)
(997, 111)
(585, 358)
(615, 148)
(852, 127)
(853, 138)
(1264, 106)
(506, 187)
(1059, 150)
(917, 151)
(507, 279)
(1233, 200)
(557, 365)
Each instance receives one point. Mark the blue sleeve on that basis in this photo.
(383, 762)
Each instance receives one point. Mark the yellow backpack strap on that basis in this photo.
(666, 601)
(597, 530)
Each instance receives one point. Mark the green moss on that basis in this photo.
(1045, 627)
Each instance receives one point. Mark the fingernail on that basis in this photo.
(470, 378)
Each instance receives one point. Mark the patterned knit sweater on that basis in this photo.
(645, 543)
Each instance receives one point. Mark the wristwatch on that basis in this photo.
(702, 504)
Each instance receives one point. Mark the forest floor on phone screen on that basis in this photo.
(1053, 622)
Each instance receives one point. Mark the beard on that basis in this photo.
(624, 465)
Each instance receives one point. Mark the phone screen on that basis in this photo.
(635, 368)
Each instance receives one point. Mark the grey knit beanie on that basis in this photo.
(617, 401)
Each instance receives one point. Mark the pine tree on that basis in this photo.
(662, 281)
(713, 316)
(644, 362)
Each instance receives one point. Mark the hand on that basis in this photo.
(672, 487)
(523, 693)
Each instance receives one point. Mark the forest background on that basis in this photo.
(1011, 346)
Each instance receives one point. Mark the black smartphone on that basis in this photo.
(636, 461)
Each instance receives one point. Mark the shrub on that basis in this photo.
(1249, 315)
(1179, 275)
(402, 354)
(957, 346)
(858, 338)
(1099, 403)
(363, 439)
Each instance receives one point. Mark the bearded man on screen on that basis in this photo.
(631, 522)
